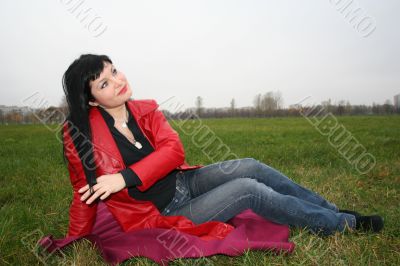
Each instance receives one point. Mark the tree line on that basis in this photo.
(269, 104)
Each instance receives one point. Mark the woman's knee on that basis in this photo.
(250, 160)
(244, 165)
(250, 164)
(244, 186)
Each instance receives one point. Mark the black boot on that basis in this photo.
(372, 223)
(356, 214)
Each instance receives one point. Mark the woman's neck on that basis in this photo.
(118, 113)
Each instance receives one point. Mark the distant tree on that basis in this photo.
(375, 108)
(268, 102)
(271, 101)
(257, 104)
(278, 99)
(341, 107)
(167, 114)
(199, 106)
(233, 106)
(388, 108)
(64, 105)
(348, 108)
(1, 117)
(327, 105)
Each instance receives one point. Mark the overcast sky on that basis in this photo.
(216, 49)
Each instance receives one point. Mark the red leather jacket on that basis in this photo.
(130, 213)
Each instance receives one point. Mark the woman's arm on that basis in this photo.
(82, 215)
(168, 154)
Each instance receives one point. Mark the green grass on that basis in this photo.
(35, 191)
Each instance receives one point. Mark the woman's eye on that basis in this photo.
(104, 85)
(114, 71)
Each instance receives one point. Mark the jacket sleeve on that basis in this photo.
(168, 154)
(81, 215)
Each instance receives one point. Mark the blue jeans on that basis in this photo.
(219, 191)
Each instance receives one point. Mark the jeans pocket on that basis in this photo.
(181, 196)
(182, 193)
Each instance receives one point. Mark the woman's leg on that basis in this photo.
(211, 176)
(232, 197)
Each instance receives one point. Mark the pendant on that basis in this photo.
(124, 124)
(138, 145)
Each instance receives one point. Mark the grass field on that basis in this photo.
(35, 191)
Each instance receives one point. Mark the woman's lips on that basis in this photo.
(124, 89)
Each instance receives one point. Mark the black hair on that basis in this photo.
(76, 85)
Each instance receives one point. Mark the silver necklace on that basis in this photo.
(124, 125)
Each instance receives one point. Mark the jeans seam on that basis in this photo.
(189, 186)
(343, 222)
(260, 198)
(240, 198)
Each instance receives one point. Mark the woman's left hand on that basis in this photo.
(106, 184)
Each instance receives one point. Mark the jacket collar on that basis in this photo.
(141, 108)
(109, 119)
(105, 147)
(138, 108)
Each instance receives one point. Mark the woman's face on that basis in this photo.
(111, 89)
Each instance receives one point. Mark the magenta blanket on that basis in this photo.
(164, 245)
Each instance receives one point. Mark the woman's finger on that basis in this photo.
(83, 189)
(95, 195)
(86, 195)
(105, 195)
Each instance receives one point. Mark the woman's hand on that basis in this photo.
(106, 184)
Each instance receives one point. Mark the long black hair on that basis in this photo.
(76, 85)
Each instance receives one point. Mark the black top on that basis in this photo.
(161, 192)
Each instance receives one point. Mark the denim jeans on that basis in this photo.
(219, 191)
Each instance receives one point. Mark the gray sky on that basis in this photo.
(216, 49)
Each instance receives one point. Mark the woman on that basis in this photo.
(153, 177)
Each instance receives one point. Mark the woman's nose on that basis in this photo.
(118, 82)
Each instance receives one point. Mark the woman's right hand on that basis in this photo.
(106, 184)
